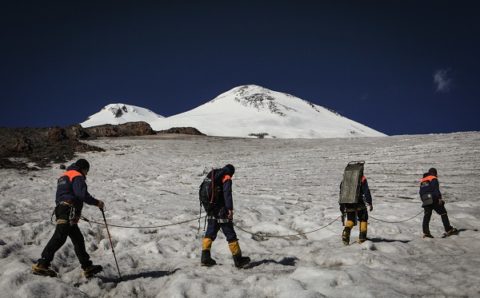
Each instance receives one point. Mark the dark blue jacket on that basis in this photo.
(72, 188)
(430, 185)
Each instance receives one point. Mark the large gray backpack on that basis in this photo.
(351, 183)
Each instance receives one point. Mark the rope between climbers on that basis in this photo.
(257, 234)
(266, 235)
(386, 221)
(143, 227)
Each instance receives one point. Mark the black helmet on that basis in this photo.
(83, 164)
(432, 171)
(230, 169)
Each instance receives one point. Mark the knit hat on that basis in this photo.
(432, 171)
(83, 164)
(230, 168)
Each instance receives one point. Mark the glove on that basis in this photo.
(370, 208)
(101, 204)
(441, 202)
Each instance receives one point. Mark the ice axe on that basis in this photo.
(111, 244)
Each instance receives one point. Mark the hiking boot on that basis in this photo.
(427, 236)
(346, 236)
(206, 259)
(362, 237)
(451, 232)
(240, 262)
(41, 269)
(92, 270)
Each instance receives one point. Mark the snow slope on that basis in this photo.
(252, 109)
(119, 113)
(281, 187)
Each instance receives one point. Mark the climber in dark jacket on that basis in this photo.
(432, 200)
(221, 217)
(357, 211)
(71, 194)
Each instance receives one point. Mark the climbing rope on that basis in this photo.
(386, 221)
(259, 235)
(264, 236)
(143, 227)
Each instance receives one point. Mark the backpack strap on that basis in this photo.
(212, 197)
(226, 178)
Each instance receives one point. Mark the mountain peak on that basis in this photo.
(261, 98)
(119, 113)
(118, 109)
(254, 110)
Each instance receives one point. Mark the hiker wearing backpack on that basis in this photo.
(355, 198)
(71, 194)
(432, 200)
(216, 197)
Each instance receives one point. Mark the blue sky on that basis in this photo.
(401, 67)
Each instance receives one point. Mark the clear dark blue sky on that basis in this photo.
(401, 67)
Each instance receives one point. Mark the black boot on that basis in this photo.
(362, 237)
(41, 269)
(240, 262)
(91, 270)
(450, 232)
(206, 259)
(346, 236)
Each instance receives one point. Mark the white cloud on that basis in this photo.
(442, 80)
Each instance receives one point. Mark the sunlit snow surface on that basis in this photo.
(280, 187)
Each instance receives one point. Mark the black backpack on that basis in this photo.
(210, 190)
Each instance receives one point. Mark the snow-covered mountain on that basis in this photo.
(119, 113)
(247, 110)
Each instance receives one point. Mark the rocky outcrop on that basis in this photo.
(20, 147)
(122, 130)
(182, 130)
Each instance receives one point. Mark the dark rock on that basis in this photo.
(56, 134)
(42, 146)
(78, 132)
(182, 130)
(122, 130)
(259, 135)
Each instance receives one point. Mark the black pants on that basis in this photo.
(62, 231)
(440, 209)
(361, 215)
(227, 229)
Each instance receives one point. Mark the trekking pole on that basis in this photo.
(111, 244)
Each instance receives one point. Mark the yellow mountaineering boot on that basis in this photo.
(240, 262)
(206, 259)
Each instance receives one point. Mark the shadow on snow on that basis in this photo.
(288, 261)
(152, 274)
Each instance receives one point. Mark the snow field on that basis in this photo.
(280, 187)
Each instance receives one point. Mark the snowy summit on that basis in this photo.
(252, 110)
(119, 113)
